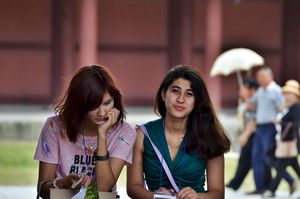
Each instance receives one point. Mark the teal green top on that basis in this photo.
(188, 170)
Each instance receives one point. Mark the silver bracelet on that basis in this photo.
(54, 183)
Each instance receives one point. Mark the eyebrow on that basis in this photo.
(175, 86)
(110, 99)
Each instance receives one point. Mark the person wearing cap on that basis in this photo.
(291, 92)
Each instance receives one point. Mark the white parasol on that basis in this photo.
(236, 60)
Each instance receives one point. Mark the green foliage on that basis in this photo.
(17, 166)
(92, 191)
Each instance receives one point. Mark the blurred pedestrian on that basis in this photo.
(246, 138)
(290, 124)
(267, 101)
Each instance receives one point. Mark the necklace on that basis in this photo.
(171, 149)
(174, 143)
(163, 154)
(89, 150)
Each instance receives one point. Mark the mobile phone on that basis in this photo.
(76, 183)
(163, 196)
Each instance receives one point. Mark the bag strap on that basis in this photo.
(286, 129)
(161, 159)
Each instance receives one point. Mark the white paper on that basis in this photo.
(80, 194)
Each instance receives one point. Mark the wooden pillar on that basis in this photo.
(88, 32)
(291, 40)
(180, 32)
(213, 45)
(62, 45)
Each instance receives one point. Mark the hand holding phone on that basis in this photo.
(76, 183)
(164, 193)
(163, 196)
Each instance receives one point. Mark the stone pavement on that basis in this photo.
(29, 192)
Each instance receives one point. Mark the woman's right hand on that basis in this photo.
(67, 181)
(112, 118)
(243, 93)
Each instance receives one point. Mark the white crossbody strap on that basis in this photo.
(161, 159)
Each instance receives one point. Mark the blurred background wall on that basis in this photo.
(43, 42)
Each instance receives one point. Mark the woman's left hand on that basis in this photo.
(112, 117)
(165, 191)
(188, 193)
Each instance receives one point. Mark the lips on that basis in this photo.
(179, 108)
(102, 119)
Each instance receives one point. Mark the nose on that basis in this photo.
(180, 98)
(101, 111)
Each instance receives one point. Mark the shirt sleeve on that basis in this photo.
(253, 99)
(47, 149)
(252, 114)
(124, 148)
(279, 99)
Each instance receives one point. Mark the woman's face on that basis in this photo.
(98, 116)
(179, 98)
(290, 98)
